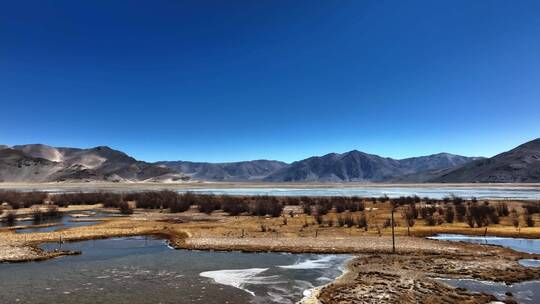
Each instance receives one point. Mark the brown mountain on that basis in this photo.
(37, 162)
(356, 166)
(233, 171)
(519, 165)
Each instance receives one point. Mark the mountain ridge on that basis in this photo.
(357, 166)
(229, 171)
(43, 163)
(100, 163)
(518, 165)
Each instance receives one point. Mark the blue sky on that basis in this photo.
(239, 80)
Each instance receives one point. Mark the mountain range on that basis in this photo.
(356, 166)
(519, 165)
(234, 171)
(42, 163)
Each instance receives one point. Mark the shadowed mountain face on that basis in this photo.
(69, 164)
(519, 165)
(356, 166)
(16, 166)
(234, 171)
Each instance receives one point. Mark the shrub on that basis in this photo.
(125, 208)
(514, 217)
(322, 209)
(470, 220)
(428, 211)
(53, 212)
(408, 215)
(502, 209)
(329, 221)
(348, 220)
(449, 214)
(306, 208)
(493, 216)
(154, 199)
(460, 211)
(80, 198)
(266, 205)
(11, 216)
(208, 204)
(413, 211)
(18, 199)
(340, 221)
(532, 207)
(438, 219)
(362, 221)
(292, 201)
(456, 200)
(179, 206)
(234, 206)
(112, 200)
(430, 221)
(37, 214)
(383, 198)
(319, 219)
(527, 217)
(339, 204)
(481, 214)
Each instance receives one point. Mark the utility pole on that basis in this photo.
(393, 235)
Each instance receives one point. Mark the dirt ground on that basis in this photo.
(411, 278)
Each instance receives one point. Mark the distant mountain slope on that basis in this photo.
(519, 165)
(436, 162)
(16, 166)
(234, 171)
(42, 163)
(429, 167)
(66, 164)
(356, 166)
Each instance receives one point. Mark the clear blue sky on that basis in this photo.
(236, 80)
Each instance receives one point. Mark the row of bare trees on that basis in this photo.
(433, 212)
(473, 213)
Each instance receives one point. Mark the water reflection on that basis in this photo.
(517, 244)
(525, 292)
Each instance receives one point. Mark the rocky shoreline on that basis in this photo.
(413, 278)
(22, 254)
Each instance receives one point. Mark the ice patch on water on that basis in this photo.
(448, 237)
(324, 279)
(237, 278)
(320, 263)
(529, 262)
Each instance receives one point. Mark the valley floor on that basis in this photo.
(375, 275)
